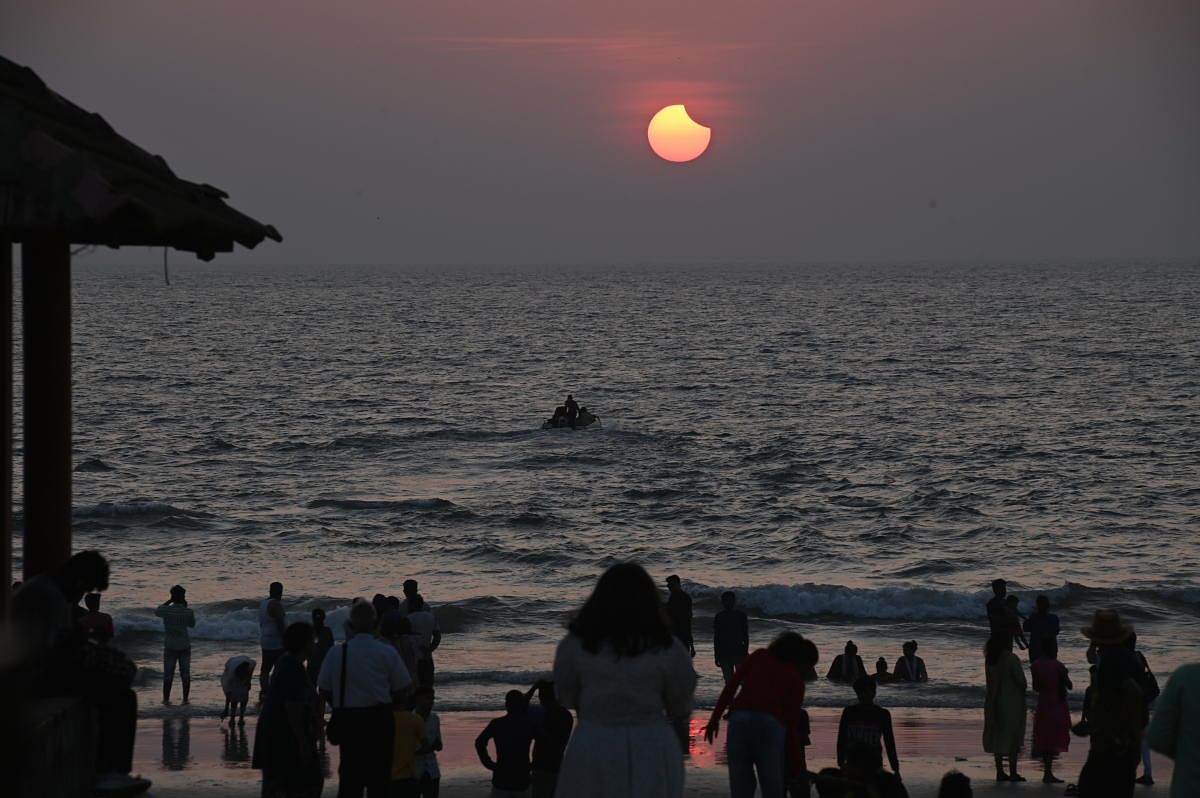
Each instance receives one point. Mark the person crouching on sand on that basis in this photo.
(235, 683)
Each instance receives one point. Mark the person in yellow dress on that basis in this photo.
(410, 731)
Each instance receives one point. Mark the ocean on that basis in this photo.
(855, 450)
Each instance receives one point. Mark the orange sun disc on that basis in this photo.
(674, 136)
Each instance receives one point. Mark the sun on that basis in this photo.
(674, 136)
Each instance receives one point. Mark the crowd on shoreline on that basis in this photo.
(625, 667)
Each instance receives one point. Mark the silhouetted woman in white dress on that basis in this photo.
(625, 675)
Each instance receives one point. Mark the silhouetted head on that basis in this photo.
(275, 591)
(92, 602)
(546, 695)
(809, 656)
(881, 665)
(863, 761)
(410, 588)
(955, 785)
(86, 572)
(298, 639)
(728, 599)
(851, 649)
(673, 582)
(318, 617)
(910, 647)
(178, 594)
(1043, 606)
(569, 397)
(1012, 601)
(362, 617)
(243, 671)
(515, 702)
(865, 688)
(793, 649)
(623, 611)
(996, 647)
(999, 587)
(423, 700)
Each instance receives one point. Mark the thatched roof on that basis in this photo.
(65, 172)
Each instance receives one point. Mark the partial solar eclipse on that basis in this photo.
(674, 136)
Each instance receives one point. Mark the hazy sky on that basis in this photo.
(486, 131)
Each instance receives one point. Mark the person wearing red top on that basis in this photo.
(766, 699)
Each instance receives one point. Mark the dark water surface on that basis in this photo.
(856, 450)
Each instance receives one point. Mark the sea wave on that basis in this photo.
(923, 603)
(390, 505)
(92, 464)
(808, 600)
(137, 508)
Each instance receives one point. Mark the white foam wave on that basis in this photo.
(894, 603)
(240, 625)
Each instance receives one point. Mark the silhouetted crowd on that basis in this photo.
(625, 667)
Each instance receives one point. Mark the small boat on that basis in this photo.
(559, 419)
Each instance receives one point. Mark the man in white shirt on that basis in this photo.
(271, 621)
(424, 623)
(375, 676)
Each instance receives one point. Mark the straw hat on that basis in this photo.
(1107, 628)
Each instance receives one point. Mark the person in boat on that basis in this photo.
(572, 411)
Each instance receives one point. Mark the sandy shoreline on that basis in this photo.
(187, 756)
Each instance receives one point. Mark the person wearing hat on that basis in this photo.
(1117, 714)
(177, 644)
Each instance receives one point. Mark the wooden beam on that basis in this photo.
(6, 416)
(46, 302)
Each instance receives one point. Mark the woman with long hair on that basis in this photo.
(766, 695)
(1004, 708)
(625, 675)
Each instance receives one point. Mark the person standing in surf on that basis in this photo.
(177, 646)
(997, 610)
(270, 632)
(731, 636)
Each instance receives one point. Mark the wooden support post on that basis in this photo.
(6, 388)
(46, 301)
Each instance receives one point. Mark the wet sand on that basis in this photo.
(199, 756)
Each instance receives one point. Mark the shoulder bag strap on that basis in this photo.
(342, 695)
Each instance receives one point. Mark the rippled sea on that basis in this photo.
(857, 451)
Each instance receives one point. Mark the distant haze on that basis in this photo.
(480, 131)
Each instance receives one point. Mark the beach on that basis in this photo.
(208, 760)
